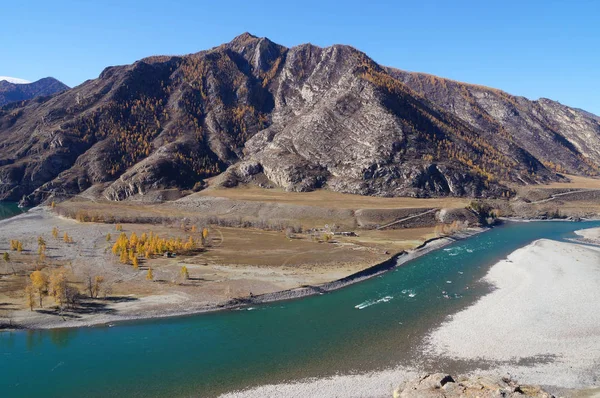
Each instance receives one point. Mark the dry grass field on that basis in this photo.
(329, 199)
(235, 263)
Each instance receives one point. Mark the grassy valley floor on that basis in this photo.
(237, 263)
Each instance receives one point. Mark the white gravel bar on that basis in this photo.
(542, 322)
(590, 234)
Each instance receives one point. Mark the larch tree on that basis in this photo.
(123, 258)
(58, 286)
(150, 275)
(89, 285)
(42, 251)
(6, 258)
(30, 296)
(133, 240)
(40, 284)
(184, 273)
(98, 281)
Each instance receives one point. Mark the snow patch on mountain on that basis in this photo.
(14, 80)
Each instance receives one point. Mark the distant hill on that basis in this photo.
(15, 80)
(13, 90)
(300, 118)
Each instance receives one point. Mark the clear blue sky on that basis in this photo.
(535, 48)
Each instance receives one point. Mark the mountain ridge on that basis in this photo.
(14, 80)
(301, 118)
(12, 91)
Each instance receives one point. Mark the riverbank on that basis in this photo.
(243, 267)
(539, 324)
(590, 235)
(534, 327)
(395, 261)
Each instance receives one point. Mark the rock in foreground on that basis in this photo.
(445, 386)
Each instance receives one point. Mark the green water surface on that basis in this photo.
(9, 209)
(370, 325)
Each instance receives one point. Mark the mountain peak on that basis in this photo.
(244, 37)
(14, 80)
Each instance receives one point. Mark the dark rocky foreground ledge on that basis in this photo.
(441, 385)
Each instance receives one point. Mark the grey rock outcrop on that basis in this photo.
(440, 385)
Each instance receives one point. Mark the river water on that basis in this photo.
(9, 209)
(371, 325)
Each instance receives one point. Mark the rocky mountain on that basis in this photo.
(300, 118)
(564, 139)
(13, 90)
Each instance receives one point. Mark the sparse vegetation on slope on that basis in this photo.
(299, 118)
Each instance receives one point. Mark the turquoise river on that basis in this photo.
(370, 325)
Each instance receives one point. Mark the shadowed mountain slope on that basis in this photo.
(299, 118)
(13, 92)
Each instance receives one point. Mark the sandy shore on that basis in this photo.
(540, 325)
(591, 235)
(370, 385)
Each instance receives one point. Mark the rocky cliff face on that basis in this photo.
(565, 139)
(11, 92)
(299, 118)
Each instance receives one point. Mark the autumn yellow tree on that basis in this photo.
(184, 273)
(190, 244)
(42, 250)
(55, 232)
(108, 237)
(98, 282)
(19, 246)
(6, 258)
(149, 275)
(58, 286)
(30, 296)
(124, 258)
(39, 282)
(135, 263)
(133, 240)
